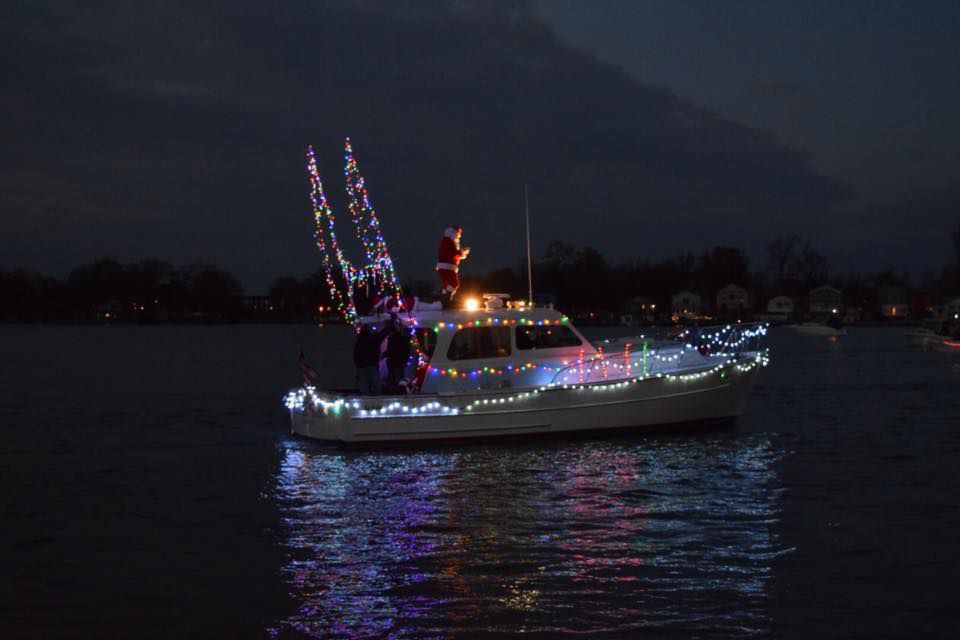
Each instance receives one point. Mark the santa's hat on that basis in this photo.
(452, 232)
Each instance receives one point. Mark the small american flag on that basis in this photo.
(309, 373)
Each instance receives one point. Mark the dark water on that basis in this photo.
(148, 488)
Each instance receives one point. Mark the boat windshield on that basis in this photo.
(474, 343)
(546, 337)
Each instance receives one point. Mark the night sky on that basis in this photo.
(176, 130)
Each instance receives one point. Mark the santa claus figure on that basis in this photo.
(448, 260)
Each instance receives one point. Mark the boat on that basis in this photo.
(926, 333)
(499, 372)
(503, 368)
(830, 327)
(945, 345)
(936, 335)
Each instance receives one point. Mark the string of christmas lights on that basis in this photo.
(378, 272)
(323, 217)
(502, 370)
(307, 399)
(624, 365)
(723, 343)
(367, 228)
(585, 369)
(498, 321)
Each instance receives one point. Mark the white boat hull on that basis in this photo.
(815, 329)
(718, 393)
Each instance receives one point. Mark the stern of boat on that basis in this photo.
(315, 415)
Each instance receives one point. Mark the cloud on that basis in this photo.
(186, 123)
(775, 85)
(911, 231)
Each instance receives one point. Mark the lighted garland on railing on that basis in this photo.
(508, 369)
(721, 346)
(301, 399)
(307, 399)
(602, 362)
(722, 337)
(494, 321)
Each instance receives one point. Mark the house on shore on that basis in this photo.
(950, 309)
(637, 311)
(824, 300)
(779, 309)
(686, 305)
(733, 300)
(894, 303)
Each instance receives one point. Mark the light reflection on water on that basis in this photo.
(618, 535)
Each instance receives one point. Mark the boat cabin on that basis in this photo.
(492, 348)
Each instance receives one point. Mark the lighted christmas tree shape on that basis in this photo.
(377, 273)
(367, 227)
(324, 223)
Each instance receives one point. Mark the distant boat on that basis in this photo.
(934, 335)
(832, 326)
(946, 345)
(928, 331)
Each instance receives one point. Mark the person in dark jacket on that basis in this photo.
(366, 358)
(398, 352)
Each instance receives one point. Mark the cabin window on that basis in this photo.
(479, 342)
(546, 337)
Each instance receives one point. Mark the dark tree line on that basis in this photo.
(576, 279)
(106, 289)
(581, 278)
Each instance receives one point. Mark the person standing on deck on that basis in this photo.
(366, 358)
(448, 261)
(397, 354)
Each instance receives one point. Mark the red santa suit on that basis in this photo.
(448, 260)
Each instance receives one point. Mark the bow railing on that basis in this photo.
(643, 356)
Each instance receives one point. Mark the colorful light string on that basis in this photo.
(323, 217)
(367, 228)
(378, 269)
(308, 400)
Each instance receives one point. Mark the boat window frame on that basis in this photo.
(516, 336)
(506, 342)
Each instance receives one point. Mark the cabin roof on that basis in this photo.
(462, 316)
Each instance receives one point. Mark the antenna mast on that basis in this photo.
(526, 209)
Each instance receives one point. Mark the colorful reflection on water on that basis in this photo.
(617, 536)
